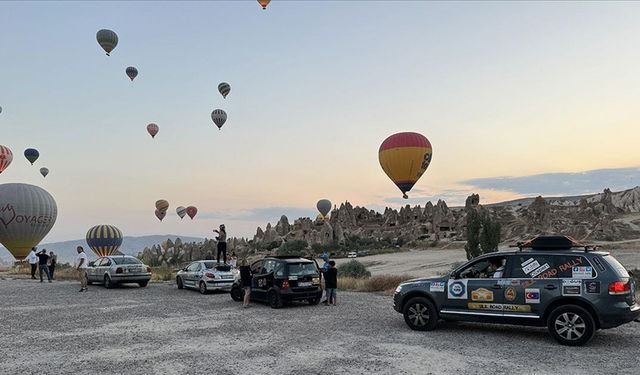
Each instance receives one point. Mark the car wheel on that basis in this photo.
(143, 284)
(107, 282)
(274, 299)
(237, 294)
(420, 314)
(313, 301)
(179, 282)
(203, 287)
(571, 325)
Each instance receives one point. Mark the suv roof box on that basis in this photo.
(555, 242)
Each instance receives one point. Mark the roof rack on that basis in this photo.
(555, 242)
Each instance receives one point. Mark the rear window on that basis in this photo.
(538, 266)
(574, 267)
(615, 266)
(301, 269)
(127, 260)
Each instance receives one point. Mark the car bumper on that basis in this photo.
(397, 298)
(219, 284)
(121, 278)
(619, 314)
(288, 296)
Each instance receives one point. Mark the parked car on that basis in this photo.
(283, 279)
(206, 276)
(352, 254)
(118, 269)
(548, 282)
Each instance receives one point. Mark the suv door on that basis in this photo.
(533, 282)
(257, 286)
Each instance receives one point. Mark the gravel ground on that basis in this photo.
(51, 328)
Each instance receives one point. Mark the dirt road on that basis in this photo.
(51, 328)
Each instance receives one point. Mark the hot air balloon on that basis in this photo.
(219, 117)
(6, 156)
(324, 206)
(104, 240)
(0, 109)
(264, 3)
(181, 211)
(27, 214)
(32, 155)
(404, 157)
(153, 129)
(107, 39)
(44, 171)
(132, 72)
(224, 89)
(192, 211)
(161, 214)
(162, 205)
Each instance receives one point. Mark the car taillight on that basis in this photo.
(119, 270)
(149, 269)
(285, 284)
(619, 287)
(210, 275)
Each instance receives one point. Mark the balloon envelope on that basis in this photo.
(181, 211)
(6, 156)
(224, 89)
(132, 72)
(31, 154)
(104, 240)
(161, 214)
(107, 39)
(324, 206)
(192, 211)
(44, 171)
(153, 129)
(404, 157)
(162, 205)
(264, 3)
(27, 214)
(219, 117)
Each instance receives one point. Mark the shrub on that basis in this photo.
(353, 269)
(296, 247)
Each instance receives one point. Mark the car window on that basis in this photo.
(105, 262)
(537, 266)
(616, 266)
(126, 260)
(96, 263)
(302, 269)
(210, 265)
(193, 267)
(574, 267)
(279, 272)
(492, 267)
(269, 266)
(256, 268)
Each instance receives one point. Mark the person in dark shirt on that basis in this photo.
(43, 259)
(331, 283)
(53, 260)
(245, 281)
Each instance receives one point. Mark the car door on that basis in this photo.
(92, 269)
(191, 274)
(532, 283)
(104, 268)
(258, 290)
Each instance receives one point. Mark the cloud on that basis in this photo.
(587, 182)
(262, 214)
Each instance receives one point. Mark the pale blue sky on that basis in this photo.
(500, 89)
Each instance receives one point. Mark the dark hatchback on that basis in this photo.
(548, 282)
(283, 279)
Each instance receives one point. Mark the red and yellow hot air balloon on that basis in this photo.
(264, 3)
(404, 157)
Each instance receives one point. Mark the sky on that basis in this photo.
(517, 99)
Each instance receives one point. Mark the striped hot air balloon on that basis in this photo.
(6, 157)
(107, 39)
(219, 117)
(104, 240)
(162, 205)
(153, 129)
(224, 89)
(404, 157)
(132, 72)
(181, 211)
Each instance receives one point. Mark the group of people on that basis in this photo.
(45, 263)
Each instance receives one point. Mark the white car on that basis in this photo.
(352, 254)
(206, 276)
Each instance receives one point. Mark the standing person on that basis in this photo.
(331, 283)
(233, 261)
(222, 243)
(325, 267)
(43, 259)
(245, 281)
(81, 266)
(32, 258)
(53, 260)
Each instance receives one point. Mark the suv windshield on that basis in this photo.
(126, 260)
(302, 269)
(616, 266)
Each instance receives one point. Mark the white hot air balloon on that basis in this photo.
(27, 214)
(181, 211)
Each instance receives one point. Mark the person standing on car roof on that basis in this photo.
(43, 259)
(32, 258)
(245, 281)
(222, 243)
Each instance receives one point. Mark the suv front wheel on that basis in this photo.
(420, 314)
(571, 325)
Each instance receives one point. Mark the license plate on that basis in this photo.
(304, 283)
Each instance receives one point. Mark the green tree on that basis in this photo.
(353, 269)
(474, 224)
(489, 235)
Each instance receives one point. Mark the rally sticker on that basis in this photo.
(592, 287)
(457, 289)
(508, 282)
(571, 287)
(532, 295)
(530, 267)
(498, 307)
(437, 286)
(510, 294)
(540, 270)
(527, 262)
(482, 295)
(585, 272)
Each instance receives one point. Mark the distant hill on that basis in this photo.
(66, 250)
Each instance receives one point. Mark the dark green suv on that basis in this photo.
(550, 281)
(282, 279)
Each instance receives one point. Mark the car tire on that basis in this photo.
(202, 287)
(107, 282)
(179, 282)
(237, 294)
(571, 325)
(420, 314)
(313, 301)
(143, 284)
(274, 300)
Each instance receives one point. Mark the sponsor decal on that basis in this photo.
(437, 286)
(457, 289)
(482, 294)
(510, 294)
(592, 287)
(523, 264)
(582, 272)
(532, 295)
(571, 287)
(540, 270)
(530, 267)
(498, 307)
(513, 282)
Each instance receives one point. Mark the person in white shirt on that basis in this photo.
(81, 264)
(32, 258)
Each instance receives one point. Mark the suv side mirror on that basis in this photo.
(453, 275)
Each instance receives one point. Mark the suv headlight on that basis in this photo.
(398, 288)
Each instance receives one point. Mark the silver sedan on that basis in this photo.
(207, 275)
(118, 269)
